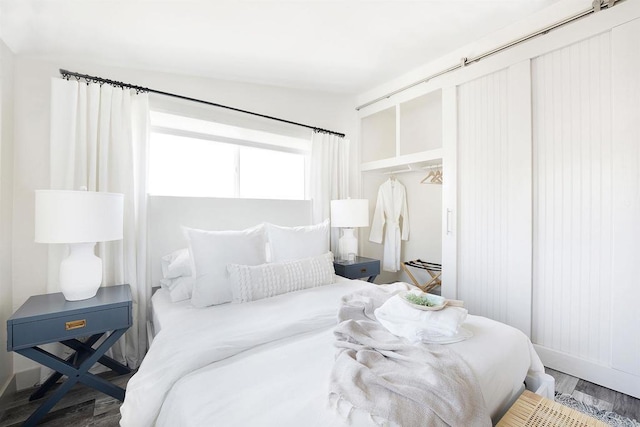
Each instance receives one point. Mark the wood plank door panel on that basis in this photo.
(493, 218)
(625, 297)
(572, 280)
(586, 115)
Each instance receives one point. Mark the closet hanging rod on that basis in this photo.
(438, 166)
(93, 79)
(408, 169)
(596, 6)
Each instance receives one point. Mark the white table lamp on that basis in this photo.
(79, 219)
(349, 214)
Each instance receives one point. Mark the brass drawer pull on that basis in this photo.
(75, 324)
(363, 270)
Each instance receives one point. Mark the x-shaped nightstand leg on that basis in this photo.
(74, 374)
(53, 379)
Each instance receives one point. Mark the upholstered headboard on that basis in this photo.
(166, 215)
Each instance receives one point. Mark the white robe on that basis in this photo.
(391, 204)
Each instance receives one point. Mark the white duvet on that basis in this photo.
(267, 363)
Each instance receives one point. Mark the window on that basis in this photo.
(196, 158)
(269, 174)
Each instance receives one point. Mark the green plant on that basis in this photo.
(415, 299)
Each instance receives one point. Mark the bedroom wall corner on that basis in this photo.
(6, 196)
(29, 264)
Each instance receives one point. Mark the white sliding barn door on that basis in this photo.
(493, 220)
(572, 200)
(625, 320)
(586, 118)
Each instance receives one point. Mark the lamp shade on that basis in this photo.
(78, 216)
(350, 213)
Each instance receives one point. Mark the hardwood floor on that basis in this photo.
(595, 395)
(83, 406)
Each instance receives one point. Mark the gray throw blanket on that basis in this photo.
(394, 381)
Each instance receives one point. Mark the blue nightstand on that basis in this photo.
(50, 318)
(361, 267)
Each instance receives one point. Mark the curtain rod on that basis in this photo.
(139, 89)
(597, 5)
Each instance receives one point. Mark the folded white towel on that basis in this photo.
(431, 337)
(405, 321)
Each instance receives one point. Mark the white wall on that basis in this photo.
(31, 166)
(6, 191)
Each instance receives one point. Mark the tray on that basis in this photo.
(439, 302)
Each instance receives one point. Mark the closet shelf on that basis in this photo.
(417, 160)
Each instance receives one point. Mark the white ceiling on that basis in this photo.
(340, 46)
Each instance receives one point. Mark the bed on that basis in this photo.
(276, 374)
(268, 361)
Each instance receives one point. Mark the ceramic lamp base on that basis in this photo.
(80, 272)
(348, 244)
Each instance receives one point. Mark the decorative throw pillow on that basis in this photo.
(250, 283)
(211, 251)
(292, 243)
(176, 264)
(179, 288)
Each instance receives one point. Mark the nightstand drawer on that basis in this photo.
(361, 270)
(54, 329)
(362, 267)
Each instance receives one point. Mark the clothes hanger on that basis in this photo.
(430, 175)
(434, 176)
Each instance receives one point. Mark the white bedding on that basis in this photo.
(268, 362)
(164, 312)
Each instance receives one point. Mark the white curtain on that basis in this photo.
(99, 140)
(329, 177)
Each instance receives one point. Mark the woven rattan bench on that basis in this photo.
(532, 410)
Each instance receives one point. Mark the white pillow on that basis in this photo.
(179, 288)
(211, 251)
(250, 283)
(176, 264)
(292, 243)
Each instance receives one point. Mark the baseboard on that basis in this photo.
(27, 379)
(602, 375)
(7, 391)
